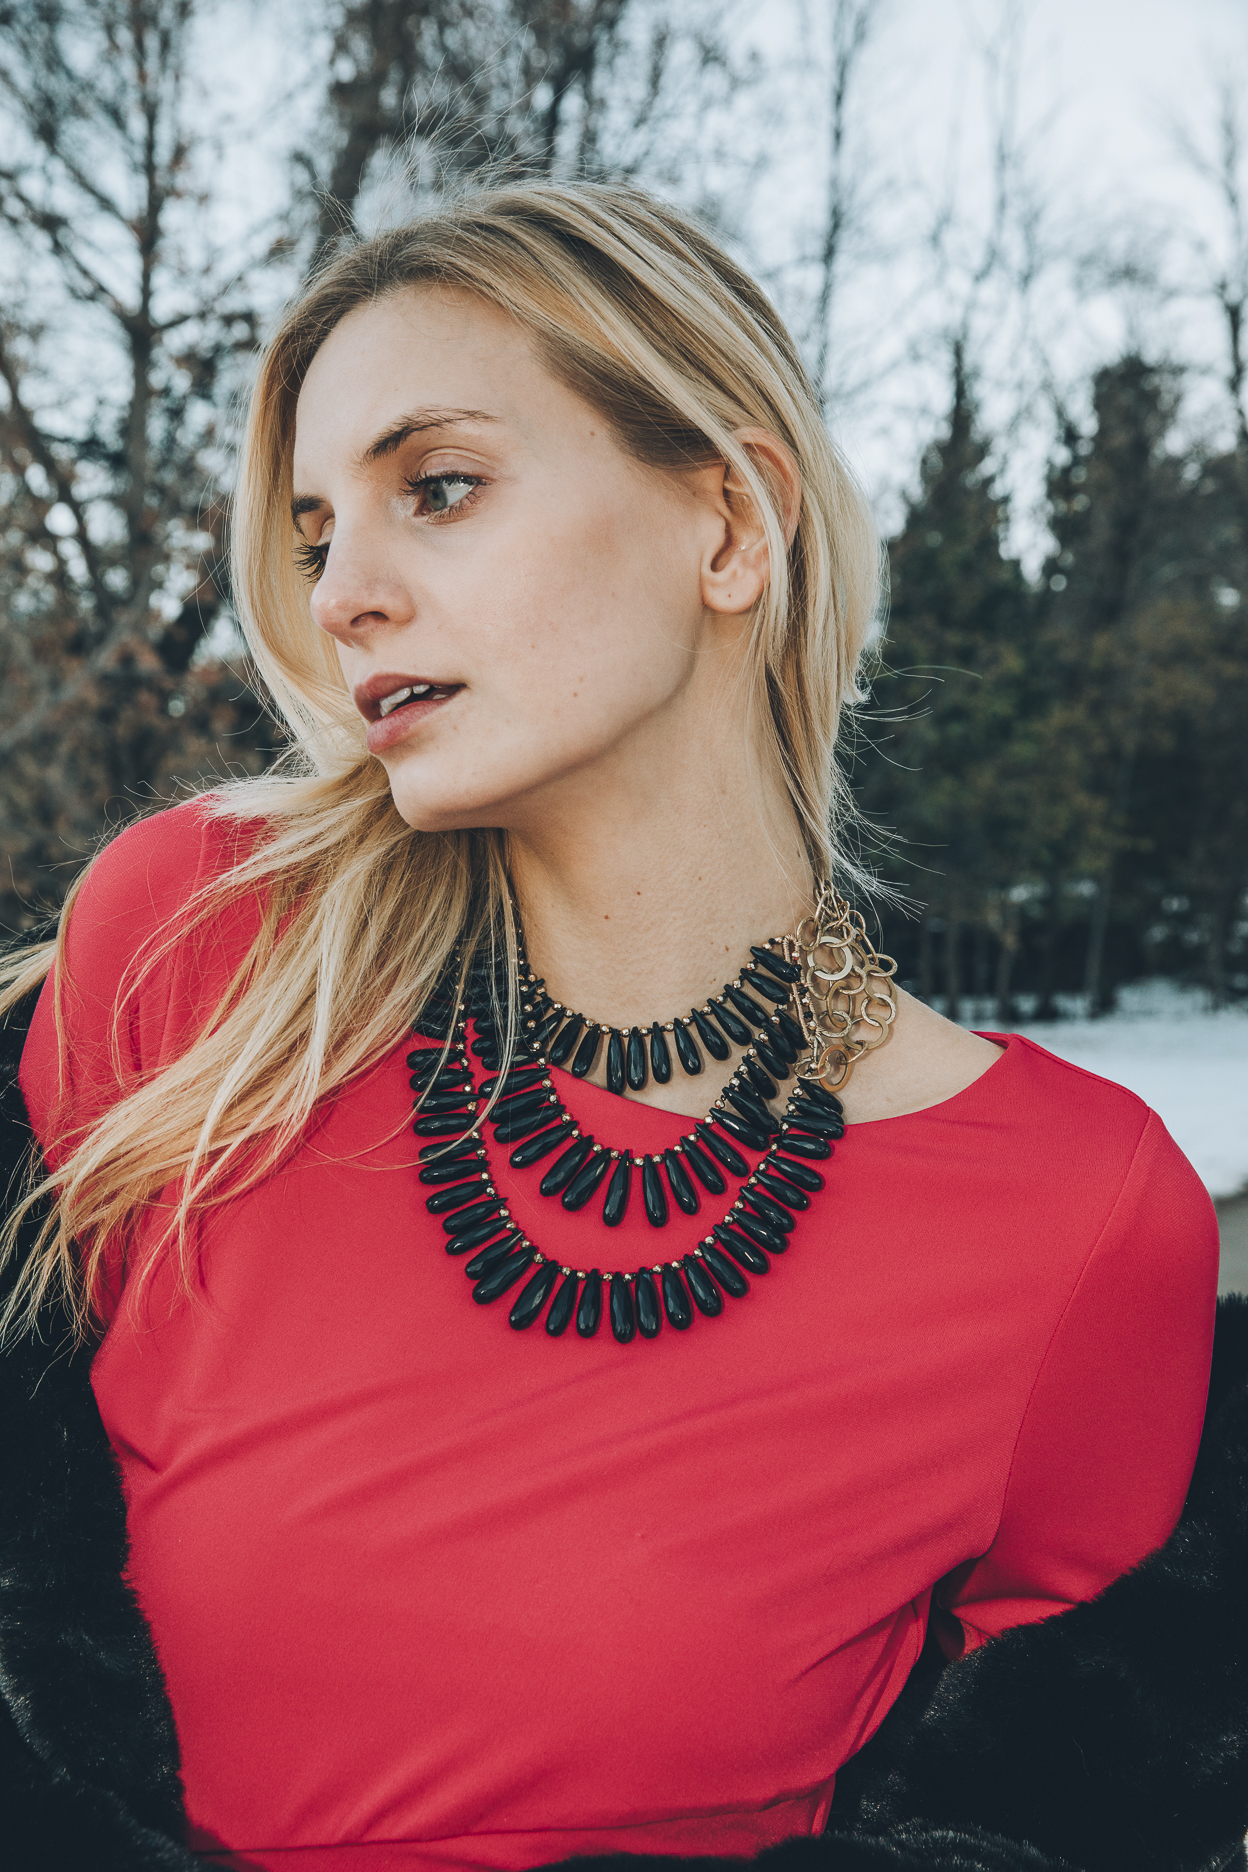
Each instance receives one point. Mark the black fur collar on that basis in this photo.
(1111, 1739)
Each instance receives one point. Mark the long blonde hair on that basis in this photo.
(635, 308)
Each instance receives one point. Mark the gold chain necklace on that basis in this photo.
(847, 1001)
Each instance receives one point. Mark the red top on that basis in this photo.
(431, 1593)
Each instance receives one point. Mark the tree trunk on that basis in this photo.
(1005, 969)
(1096, 999)
(953, 974)
(927, 973)
(1047, 1008)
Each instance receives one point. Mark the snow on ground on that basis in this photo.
(1188, 1063)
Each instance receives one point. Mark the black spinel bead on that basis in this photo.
(745, 1004)
(435, 1104)
(445, 1085)
(464, 1220)
(706, 1294)
(444, 1127)
(811, 1119)
(750, 1107)
(785, 1024)
(517, 1079)
(563, 1307)
(587, 1052)
(759, 1082)
(538, 1147)
(511, 1091)
(589, 1312)
(565, 1167)
(525, 1127)
(751, 1135)
(775, 965)
(453, 1198)
(775, 1063)
(648, 1315)
(447, 1153)
(770, 990)
(726, 1272)
(660, 1058)
(563, 1043)
(496, 1283)
(681, 1186)
(799, 1145)
(522, 1107)
(702, 1167)
(721, 1150)
(454, 1167)
(773, 1215)
(615, 1060)
(773, 1240)
(783, 1191)
(635, 1059)
(733, 1026)
(623, 1318)
(425, 1060)
(686, 1051)
(652, 1193)
(742, 1249)
(616, 1204)
(714, 1043)
(816, 1090)
(469, 1239)
(433, 1025)
(676, 1299)
(533, 1297)
(779, 1044)
(586, 1180)
(492, 1255)
(799, 1173)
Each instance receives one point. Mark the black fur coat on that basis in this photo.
(1113, 1738)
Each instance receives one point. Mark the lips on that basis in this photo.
(395, 704)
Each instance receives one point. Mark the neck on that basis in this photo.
(638, 909)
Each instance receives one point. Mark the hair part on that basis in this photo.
(631, 305)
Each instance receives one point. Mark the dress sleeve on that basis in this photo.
(1108, 1440)
(112, 1034)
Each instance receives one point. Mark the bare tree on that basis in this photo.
(113, 362)
(429, 94)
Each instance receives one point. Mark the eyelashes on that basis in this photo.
(311, 559)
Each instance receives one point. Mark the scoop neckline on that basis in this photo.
(662, 1113)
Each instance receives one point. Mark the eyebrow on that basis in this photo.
(415, 423)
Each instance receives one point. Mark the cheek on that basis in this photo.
(602, 613)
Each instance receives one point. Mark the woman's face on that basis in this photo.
(523, 613)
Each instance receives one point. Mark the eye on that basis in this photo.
(439, 493)
(310, 560)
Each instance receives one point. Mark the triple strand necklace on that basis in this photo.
(820, 999)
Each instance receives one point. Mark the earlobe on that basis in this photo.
(735, 575)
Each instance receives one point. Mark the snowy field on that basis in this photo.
(1189, 1064)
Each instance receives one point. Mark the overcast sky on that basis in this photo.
(1101, 86)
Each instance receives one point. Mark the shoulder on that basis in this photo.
(143, 876)
(127, 991)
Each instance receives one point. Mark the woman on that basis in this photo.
(560, 587)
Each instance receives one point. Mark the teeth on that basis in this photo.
(400, 696)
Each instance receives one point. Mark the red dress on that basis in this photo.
(431, 1593)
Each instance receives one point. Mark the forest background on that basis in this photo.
(1053, 758)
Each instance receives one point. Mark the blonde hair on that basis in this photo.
(634, 307)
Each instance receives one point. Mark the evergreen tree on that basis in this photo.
(943, 770)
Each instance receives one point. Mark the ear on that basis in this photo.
(734, 572)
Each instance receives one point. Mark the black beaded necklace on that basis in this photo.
(528, 1113)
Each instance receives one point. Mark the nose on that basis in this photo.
(359, 590)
